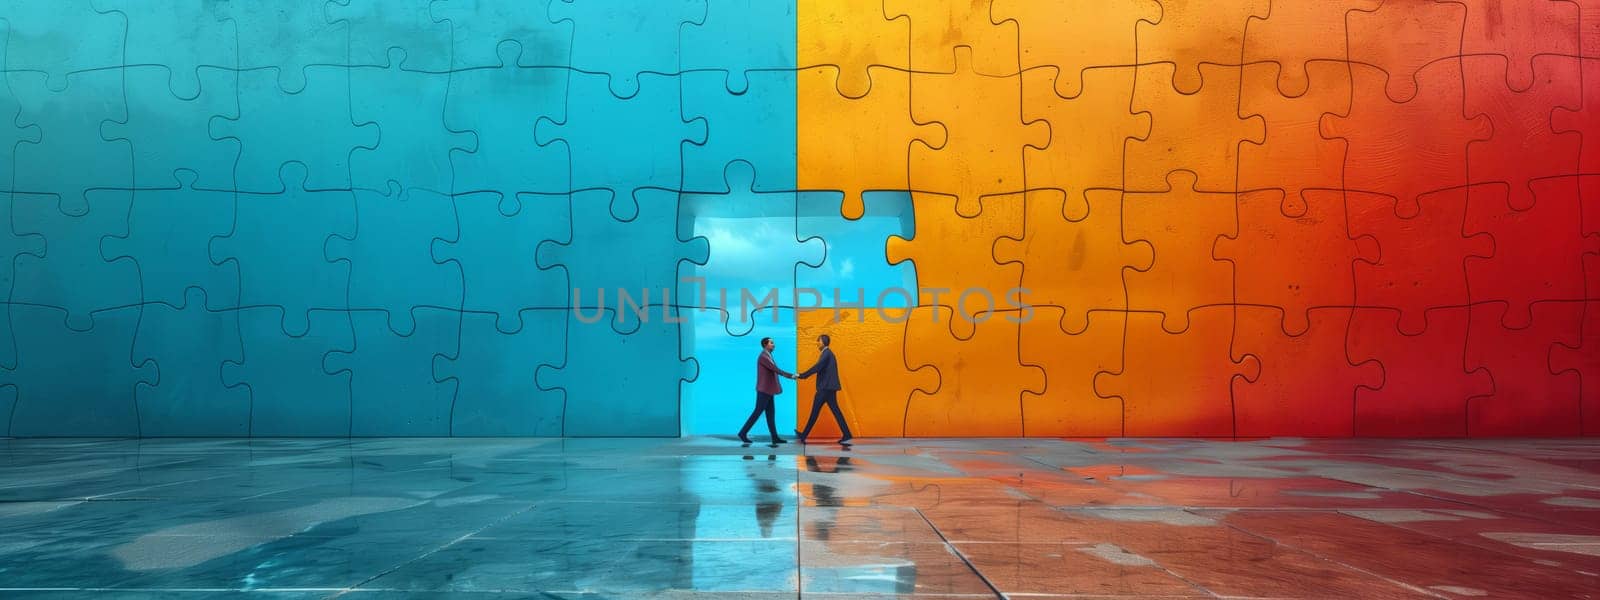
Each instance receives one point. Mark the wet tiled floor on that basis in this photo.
(707, 518)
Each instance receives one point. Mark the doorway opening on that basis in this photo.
(756, 254)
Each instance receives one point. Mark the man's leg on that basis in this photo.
(750, 422)
(768, 404)
(838, 416)
(816, 409)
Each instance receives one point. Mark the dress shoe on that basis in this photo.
(779, 441)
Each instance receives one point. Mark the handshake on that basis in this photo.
(792, 376)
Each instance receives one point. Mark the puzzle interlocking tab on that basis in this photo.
(1225, 219)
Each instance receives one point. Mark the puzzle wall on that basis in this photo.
(366, 217)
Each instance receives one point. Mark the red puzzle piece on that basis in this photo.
(1310, 257)
(1524, 147)
(1421, 253)
(1307, 383)
(1528, 399)
(1425, 382)
(1406, 148)
(1519, 31)
(1401, 37)
(1537, 251)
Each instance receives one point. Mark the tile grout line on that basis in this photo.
(959, 554)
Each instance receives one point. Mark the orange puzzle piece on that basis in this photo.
(870, 347)
(984, 134)
(1182, 225)
(1068, 406)
(981, 378)
(854, 144)
(1087, 133)
(1178, 384)
(1293, 155)
(1074, 35)
(938, 26)
(1193, 34)
(852, 36)
(954, 254)
(1074, 262)
(1294, 35)
(1199, 132)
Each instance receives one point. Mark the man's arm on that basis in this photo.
(768, 364)
(822, 362)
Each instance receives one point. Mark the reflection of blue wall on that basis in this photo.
(313, 218)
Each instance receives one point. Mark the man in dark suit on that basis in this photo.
(827, 372)
(767, 374)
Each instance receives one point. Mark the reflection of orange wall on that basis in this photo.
(1357, 232)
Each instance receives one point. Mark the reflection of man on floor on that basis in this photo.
(827, 372)
(770, 497)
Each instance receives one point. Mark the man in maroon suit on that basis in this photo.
(767, 374)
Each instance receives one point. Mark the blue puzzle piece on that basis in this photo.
(406, 107)
(57, 37)
(289, 35)
(290, 394)
(177, 39)
(390, 258)
(312, 126)
(501, 105)
(14, 246)
(597, 123)
(8, 345)
(71, 274)
(621, 384)
(753, 245)
(757, 127)
(392, 390)
(496, 248)
(478, 26)
(624, 41)
(496, 390)
(638, 254)
(166, 134)
(10, 132)
(856, 249)
(75, 383)
(278, 242)
(189, 344)
(70, 157)
(169, 233)
(376, 26)
(8, 403)
(740, 36)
